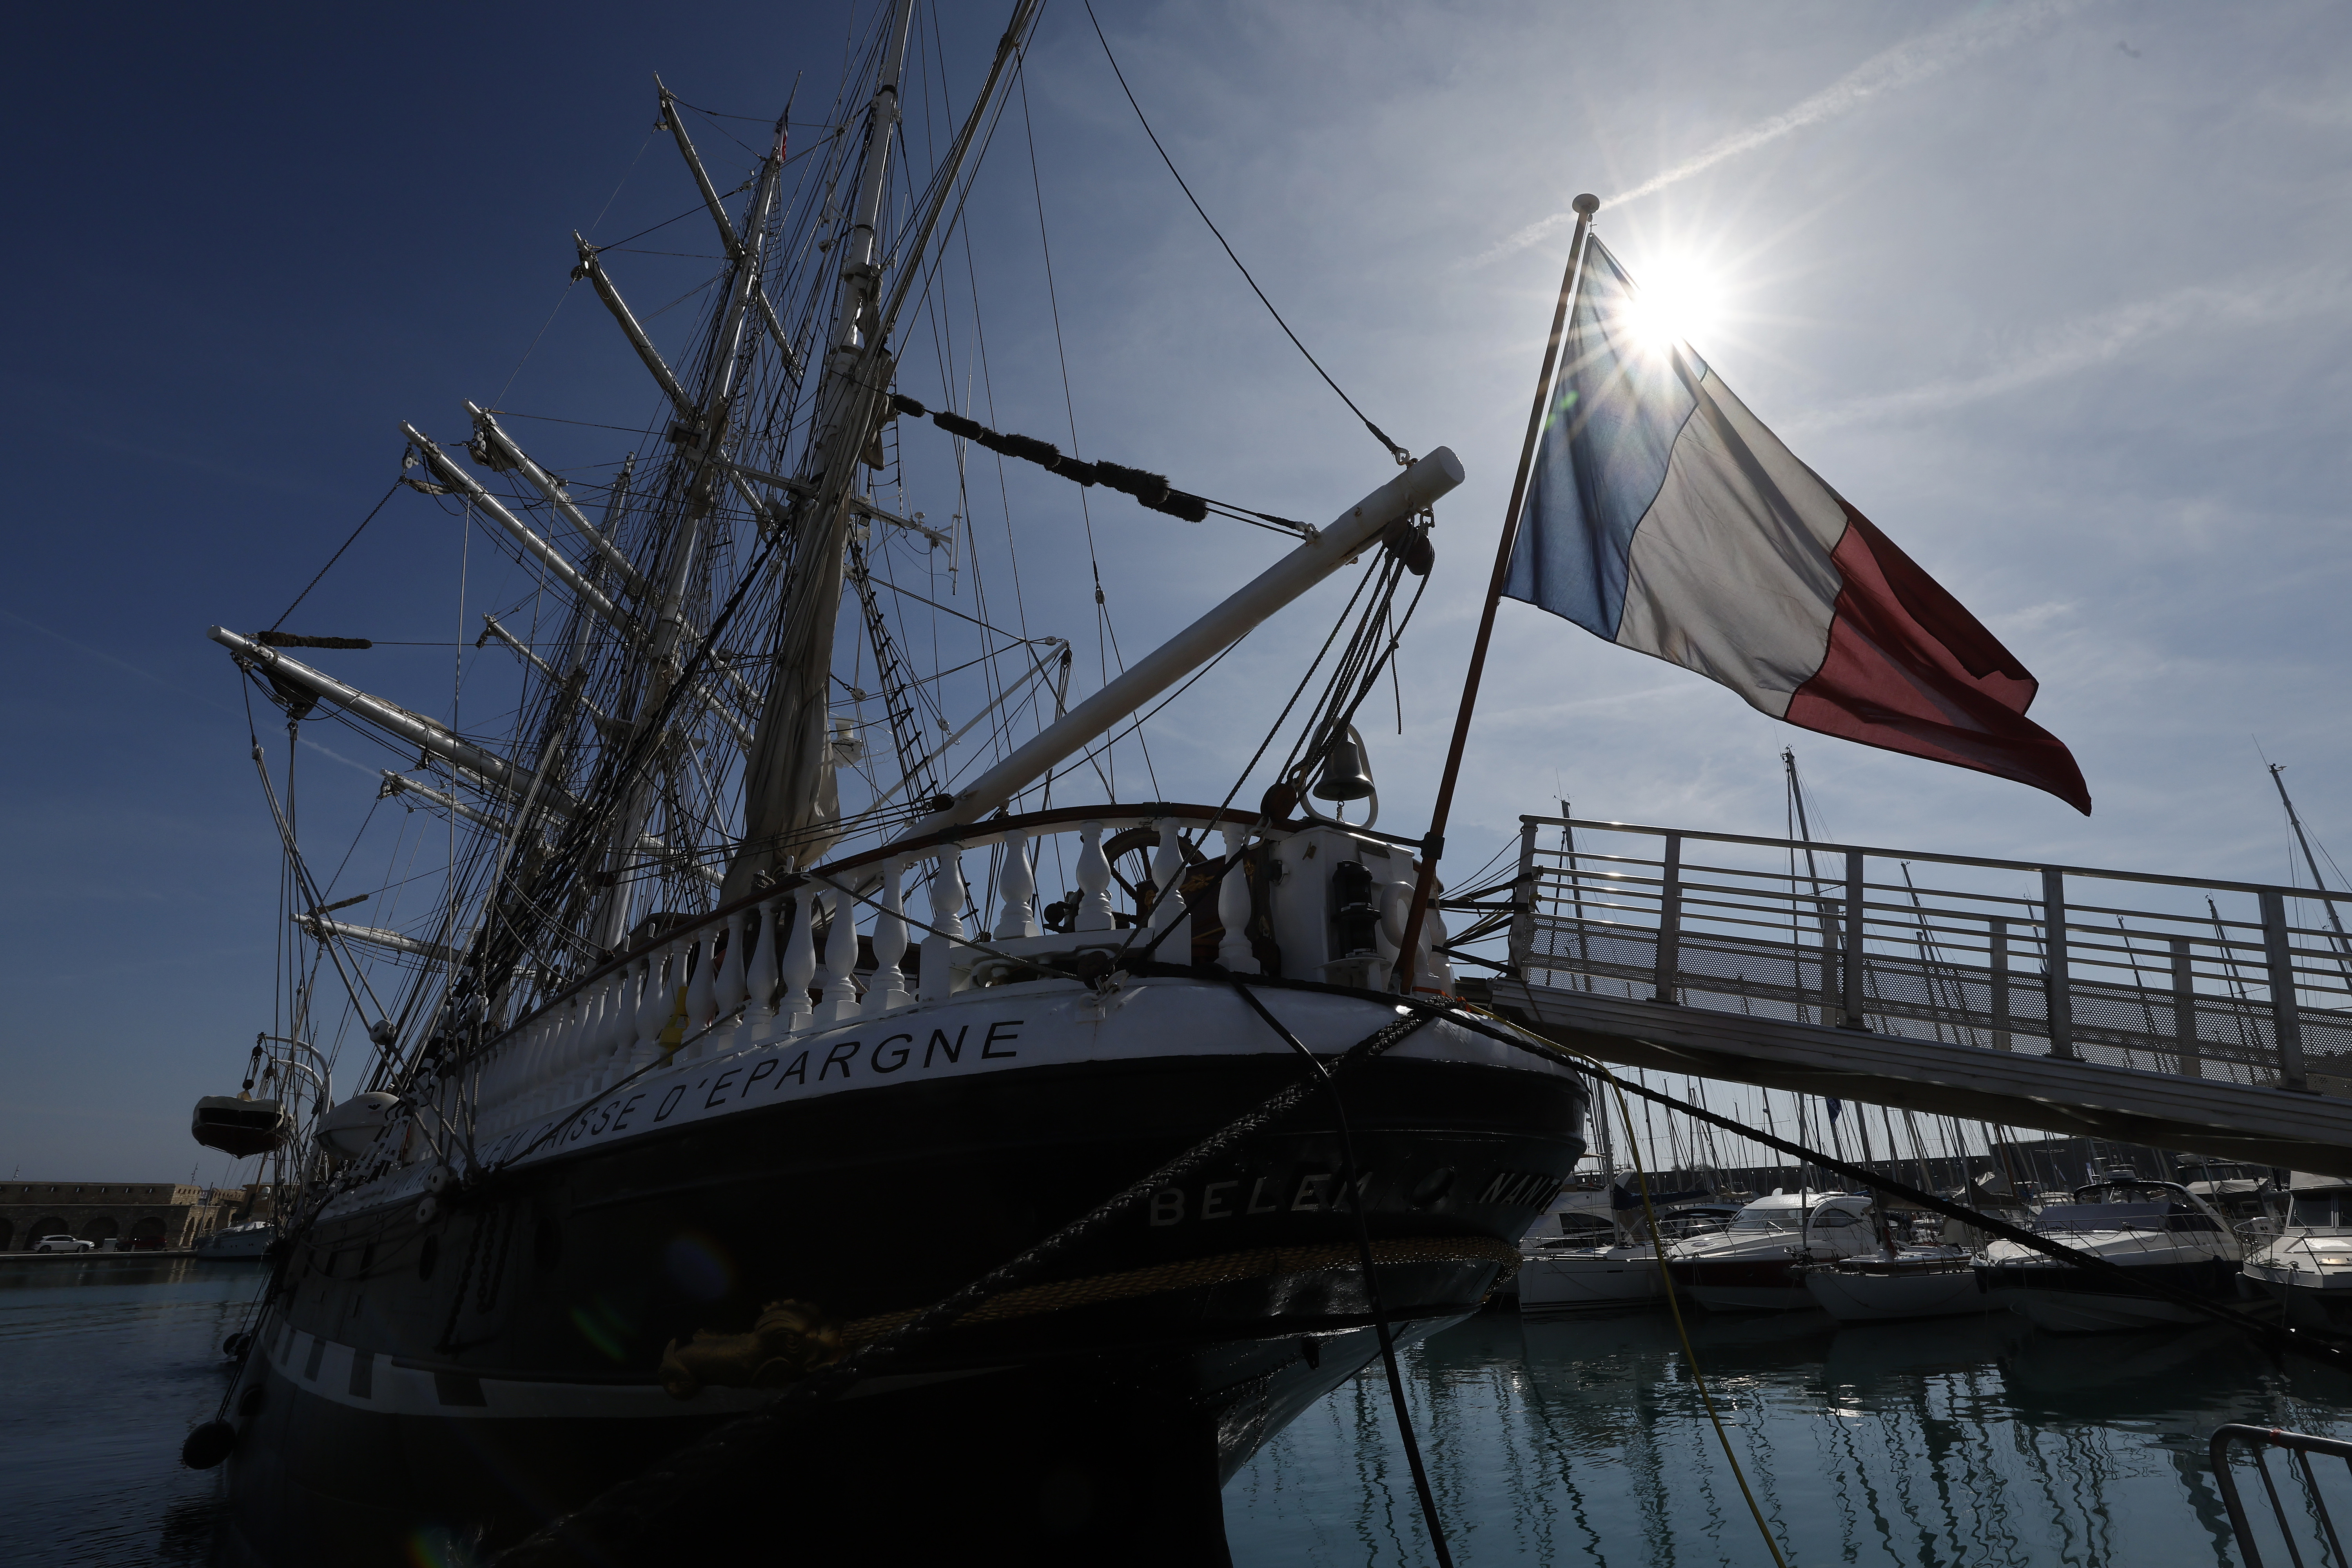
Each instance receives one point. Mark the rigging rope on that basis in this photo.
(337, 555)
(1105, 630)
(1399, 453)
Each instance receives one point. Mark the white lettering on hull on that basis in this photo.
(1034, 1024)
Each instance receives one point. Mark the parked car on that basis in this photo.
(145, 1244)
(64, 1244)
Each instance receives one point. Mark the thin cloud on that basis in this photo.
(99, 655)
(2097, 340)
(1913, 60)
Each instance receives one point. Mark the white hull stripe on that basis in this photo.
(999, 1029)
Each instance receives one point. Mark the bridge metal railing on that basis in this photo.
(2305, 1503)
(2209, 979)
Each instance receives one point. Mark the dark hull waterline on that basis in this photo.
(466, 1380)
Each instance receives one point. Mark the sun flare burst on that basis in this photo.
(1678, 302)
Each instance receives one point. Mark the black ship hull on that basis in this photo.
(447, 1386)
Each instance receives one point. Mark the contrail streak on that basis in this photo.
(2099, 339)
(1913, 60)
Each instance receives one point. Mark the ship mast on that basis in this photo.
(783, 774)
(786, 806)
(705, 433)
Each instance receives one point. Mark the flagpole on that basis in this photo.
(1433, 846)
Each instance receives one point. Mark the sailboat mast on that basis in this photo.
(2334, 921)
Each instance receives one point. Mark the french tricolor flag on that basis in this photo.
(1661, 516)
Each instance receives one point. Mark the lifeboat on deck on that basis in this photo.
(241, 1126)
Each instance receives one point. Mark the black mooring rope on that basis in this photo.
(1372, 1282)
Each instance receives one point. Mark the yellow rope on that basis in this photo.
(1665, 1275)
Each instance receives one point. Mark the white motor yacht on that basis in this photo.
(2239, 1192)
(2309, 1267)
(1755, 1263)
(2160, 1230)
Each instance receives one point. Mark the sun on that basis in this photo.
(1675, 302)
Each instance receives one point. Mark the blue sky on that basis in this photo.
(2055, 293)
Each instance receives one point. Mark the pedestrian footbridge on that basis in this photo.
(2212, 1017)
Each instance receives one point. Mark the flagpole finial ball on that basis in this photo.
(1587, 205)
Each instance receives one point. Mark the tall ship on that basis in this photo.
(820, 1110)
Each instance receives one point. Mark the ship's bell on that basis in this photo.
(1344, 777)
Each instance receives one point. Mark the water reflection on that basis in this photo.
(105, 1363)
(1962, 1441)
(1966, 1440)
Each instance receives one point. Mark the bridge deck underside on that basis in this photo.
(1931, 1043)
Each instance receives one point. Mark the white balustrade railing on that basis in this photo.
(790, 961)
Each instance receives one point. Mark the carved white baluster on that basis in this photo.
(701, 996)
(604, 1038)
(615, 1017)
(888, 988)
(840, 999)
(702, 986)
(759, 981)
(1094, 881)
(1016, 884)
(800, 959)
(582, 1052)
(651, 1014)
(671, 1000)
(549, 1063)
(579, 1050)
(947, 895)
(1233, 950)
(1168, 903)
(730, 992)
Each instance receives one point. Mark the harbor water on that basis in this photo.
(1974, 1441)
